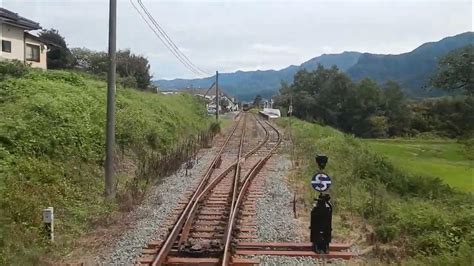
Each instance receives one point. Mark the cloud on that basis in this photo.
(154, 55)
(273, 49)
(327, 49)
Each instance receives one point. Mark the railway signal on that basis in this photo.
(321, 182)
(321, 214)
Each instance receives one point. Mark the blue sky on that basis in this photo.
(249, 35)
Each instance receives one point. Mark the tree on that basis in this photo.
(368, 102)
(136, 66)
(59, 55)
(95, 62)
(257, 101)
(396, 109)
(133, 70)
(378, 127)
(456, 71)
(224, 103)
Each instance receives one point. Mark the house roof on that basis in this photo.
(9, 17)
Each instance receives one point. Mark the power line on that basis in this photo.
(168, 39)
(167, 42)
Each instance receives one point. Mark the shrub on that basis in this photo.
(12, 68)
(215, 128)
(386, 233)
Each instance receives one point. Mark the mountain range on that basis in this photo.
(412, 70)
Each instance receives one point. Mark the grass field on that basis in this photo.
(445, 159)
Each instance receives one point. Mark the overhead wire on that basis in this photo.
(168, 39)
(163, 41)
(167, 42)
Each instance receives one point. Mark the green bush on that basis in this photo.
(14, 68)
(386, 233)
(215, 127)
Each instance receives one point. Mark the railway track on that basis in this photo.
(222, 206)
(215, 224)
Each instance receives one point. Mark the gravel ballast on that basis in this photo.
(275, 222)
(281, 260)
(275, 217)
(150, 216)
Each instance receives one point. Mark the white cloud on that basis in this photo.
(273, 49)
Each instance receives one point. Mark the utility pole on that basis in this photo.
(290, 114)
(217, 96)
(110, 125)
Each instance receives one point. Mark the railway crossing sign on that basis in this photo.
(321, 182)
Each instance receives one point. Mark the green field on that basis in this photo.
(445, 159)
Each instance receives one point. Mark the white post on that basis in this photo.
(48, 220)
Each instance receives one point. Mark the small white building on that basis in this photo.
(18, 43)
(210, 97)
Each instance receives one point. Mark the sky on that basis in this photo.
(248, 35)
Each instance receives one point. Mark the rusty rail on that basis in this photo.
(168, 244)
(246, 183)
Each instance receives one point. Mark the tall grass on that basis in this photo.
(52, 153)
(407, 218)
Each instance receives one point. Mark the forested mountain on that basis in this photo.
(246, 84)
(412, 70)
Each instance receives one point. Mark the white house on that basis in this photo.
(18, 43)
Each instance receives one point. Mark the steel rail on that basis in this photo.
(246, 183)
(237, 167)
(187, 225)
(198, 196)
(213, 183)
(168, 244)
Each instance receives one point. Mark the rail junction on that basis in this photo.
(215, 222)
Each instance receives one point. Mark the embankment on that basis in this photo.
(52, 154)
(402, 217)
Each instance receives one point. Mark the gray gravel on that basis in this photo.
(280, 260)
(275, 218)
(153, 213)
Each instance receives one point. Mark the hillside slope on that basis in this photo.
(52, 154)
(411, 69)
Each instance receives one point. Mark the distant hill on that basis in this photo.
(411, 69)
(246, 84)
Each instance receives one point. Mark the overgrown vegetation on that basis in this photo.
(413, 219)
(52, 152)
(133, 70)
